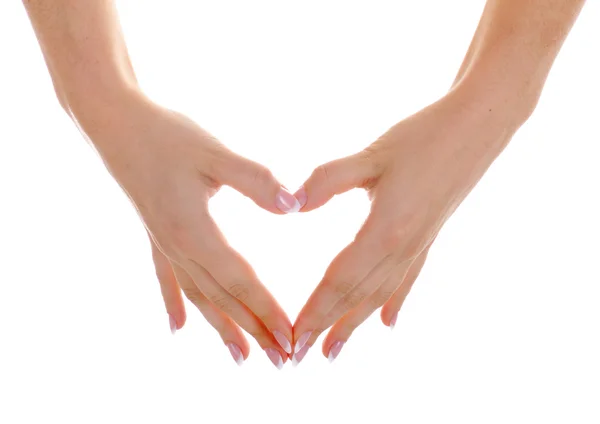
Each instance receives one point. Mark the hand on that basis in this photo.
(169, 167)
(416, 175)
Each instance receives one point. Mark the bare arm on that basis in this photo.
(85, 52)
(169, 167)
(513, 50)
(419, 171)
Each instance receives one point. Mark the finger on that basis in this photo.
(336, 177)
(342, 330)
(171, 293)
(230, 332)
(242, 316)
(356, 297)
(344, 274)
(259, 184)
(389, 312)
(237, 279)
(356, 304)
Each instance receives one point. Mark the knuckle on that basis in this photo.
(342, 288)
(380, 297)
(262, 175)
(352, 300)
(322, 172)
(193, 295)
(373, 166)
(240, 291)
(221, 302)
(370, 158)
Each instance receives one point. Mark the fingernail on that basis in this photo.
(299, 355)
(275, 357)
(283, 341)
(172, 324)
(301, 196)
(393, 321)
(302, 341)
(334, 350)
(236, 353)
(286, 202)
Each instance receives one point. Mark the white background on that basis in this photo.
(502, 326)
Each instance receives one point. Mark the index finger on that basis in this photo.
(366, 255)
(232, 272)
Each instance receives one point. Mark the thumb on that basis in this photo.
(335, 177)
(258, 183)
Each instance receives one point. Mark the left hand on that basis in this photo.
(416, 175)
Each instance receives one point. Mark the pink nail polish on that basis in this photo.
(275, 357)
(286, 202)
(302, 341)
(283, 341)
(299, 356)
(335, 350)
(172, 324)
(393, 321)
(236, 353)
(301, 196)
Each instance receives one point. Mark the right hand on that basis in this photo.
(170, 167)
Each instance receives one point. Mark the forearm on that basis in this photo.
(512, 52)
(84, 50)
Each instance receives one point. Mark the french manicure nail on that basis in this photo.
(335, 349)
(393, 321)
(302, 341)
(286, 202)
(299, 355)
(283, 341)
(172, 324)
(236, 353)
(275, 357)
(301, 196)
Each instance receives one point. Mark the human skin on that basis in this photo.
(416, 174)
(169, 167)
(423, 167)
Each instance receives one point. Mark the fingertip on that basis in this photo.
(180, 318)
(387, 316)
(326, 347)
(242, 344)
(334, 336)
(393, 320)
(311, 196)
(174, 324)
(302, 197)
(286, 202)
(236, 353)
(177, 316)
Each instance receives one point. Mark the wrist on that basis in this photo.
(507, 73)
(97, 105)
(507, 95)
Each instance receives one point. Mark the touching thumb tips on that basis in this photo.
(301, 196)
(286, 202)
